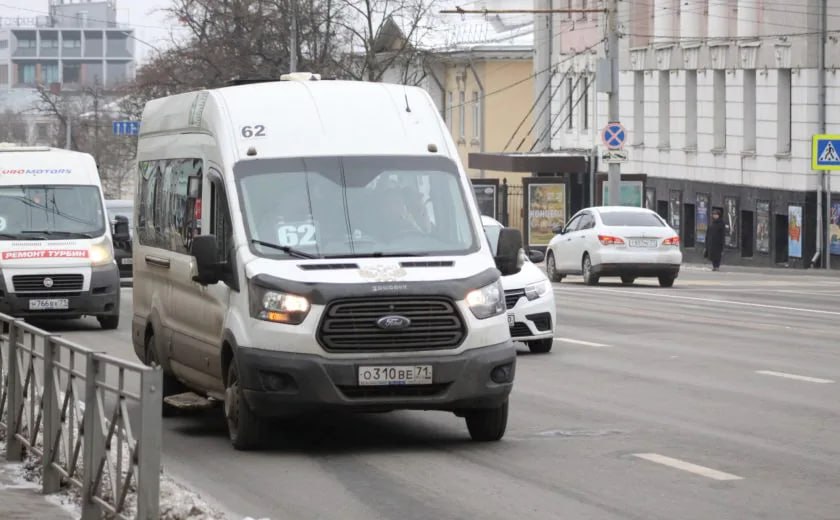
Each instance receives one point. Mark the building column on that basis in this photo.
(664, 14)
(748, 11)
(718, 22)
(691, 19)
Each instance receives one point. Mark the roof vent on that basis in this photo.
(300, 76)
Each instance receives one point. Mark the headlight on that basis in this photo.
(535, 290)
(488, 301)
(278, 307)
(101, 254)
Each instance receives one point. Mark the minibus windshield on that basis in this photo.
(340, 207)
(51, 212)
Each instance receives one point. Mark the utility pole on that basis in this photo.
(294, 43)
(825, 177)
(614, 172)
(69, 137)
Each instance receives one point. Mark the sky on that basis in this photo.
(149, 24)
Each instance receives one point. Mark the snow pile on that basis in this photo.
(177, 502)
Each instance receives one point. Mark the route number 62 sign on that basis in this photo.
(296, 235)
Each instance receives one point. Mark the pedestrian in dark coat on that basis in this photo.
(715, 236)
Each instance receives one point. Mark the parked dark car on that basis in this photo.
(121, 214)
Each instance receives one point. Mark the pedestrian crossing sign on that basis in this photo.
(826, 152)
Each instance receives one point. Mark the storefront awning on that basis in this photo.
(545, 162)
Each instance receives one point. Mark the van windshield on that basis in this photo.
(40, 212)
(337, 207)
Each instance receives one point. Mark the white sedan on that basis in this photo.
(615, 241)
(529, 298)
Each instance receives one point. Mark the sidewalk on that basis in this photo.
(23, 500)
(775, 271)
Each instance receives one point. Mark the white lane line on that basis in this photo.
(687, 466)
(707, 300)
(581, 342)
(794, 376)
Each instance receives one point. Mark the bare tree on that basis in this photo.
(382, 34)
(90, 113)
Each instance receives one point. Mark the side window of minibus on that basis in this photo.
(220, 224)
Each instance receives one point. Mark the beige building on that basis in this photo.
(489, 94)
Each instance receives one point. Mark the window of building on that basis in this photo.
(749, 110)
(25, 43)
(719, 88)
(26, 74)
(42, 131)
(570, 103)
(71, 43)
(584, 119)
(462, 114)
(664, 109)
(783, 120)
(4, 74)
(49, 43)
(4, 44)
(476, 115)
(72, 72)
(169, 216)
(49, 73)
(691, 109)
(638, 108)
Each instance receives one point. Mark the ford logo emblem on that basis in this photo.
(393, 322)
(48, 282)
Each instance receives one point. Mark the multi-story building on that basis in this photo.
(78, 44)
(720, 99)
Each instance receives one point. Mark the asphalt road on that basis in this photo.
(715, 399)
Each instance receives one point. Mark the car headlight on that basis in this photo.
(278, 307)
(488, 301)
(101, 254)
(535, 290)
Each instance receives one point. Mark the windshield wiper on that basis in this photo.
(291, 251)
(9, 236)
(60, 233)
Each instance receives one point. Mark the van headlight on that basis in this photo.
(101, 254)
(277, 306)
(488, 301)
(535, 290)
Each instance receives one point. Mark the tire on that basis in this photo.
(541, 346)
(628, 280)
(171, 386)
(551, 268)
(109, 322)
(488, 425)
(586, 267)
(245, 428)
(667, 280)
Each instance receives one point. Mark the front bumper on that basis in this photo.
(103, 298)
(313, 383)
(533, 320)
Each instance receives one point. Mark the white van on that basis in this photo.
(56, 253)
(313, 245)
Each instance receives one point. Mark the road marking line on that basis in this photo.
(794, 376)
(687, 466)
(707, 300)
(581, 342)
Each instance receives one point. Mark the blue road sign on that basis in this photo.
(126, 127)
(614, 135)
(825, 154)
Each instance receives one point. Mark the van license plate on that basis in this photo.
(511, 320)
(49, 305)
(395, 375)
(127, 261)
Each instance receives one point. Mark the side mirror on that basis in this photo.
(557, 230)
(205, 250)
(121, 231)
(509, 251)
(536, 256)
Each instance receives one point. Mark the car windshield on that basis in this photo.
(355, 206)
(631, 219)
(493, 231)
(48, 211)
